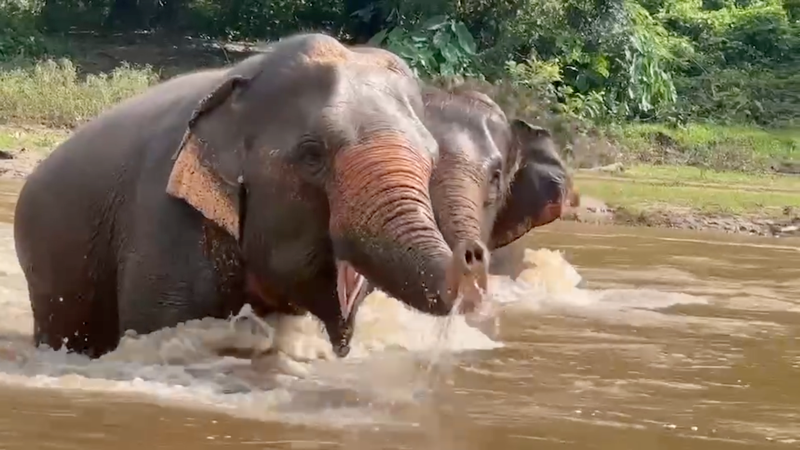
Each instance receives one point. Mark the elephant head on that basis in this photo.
(496, 179)
(315, 158)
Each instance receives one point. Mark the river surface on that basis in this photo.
(629, 339)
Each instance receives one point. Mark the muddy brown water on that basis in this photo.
(673, 340)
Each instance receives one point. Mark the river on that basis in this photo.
(632, 338)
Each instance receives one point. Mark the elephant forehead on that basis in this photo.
(328, 51)
(474, 142)
(364, 105)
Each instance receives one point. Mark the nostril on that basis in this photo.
(478, 254)
(474, 253)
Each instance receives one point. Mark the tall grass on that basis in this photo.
(722, 147)
(54, 94)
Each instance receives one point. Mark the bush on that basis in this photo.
(729, 96)
(19, 36)
(53, 93)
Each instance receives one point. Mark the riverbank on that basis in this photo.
(690, 198)
(667, 196)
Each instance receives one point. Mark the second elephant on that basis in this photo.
(497, 178)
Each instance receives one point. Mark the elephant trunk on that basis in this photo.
(456, 192)
(382, 225)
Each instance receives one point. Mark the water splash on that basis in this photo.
(392, 346)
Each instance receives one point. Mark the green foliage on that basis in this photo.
(440, 47)
(729, 96)
(19, 36)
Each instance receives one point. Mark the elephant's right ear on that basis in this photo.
(208, 161)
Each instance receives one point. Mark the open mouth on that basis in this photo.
(350, 287)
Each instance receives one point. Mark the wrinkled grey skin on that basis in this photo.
(247, 183)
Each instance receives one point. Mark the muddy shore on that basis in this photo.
(18, 165)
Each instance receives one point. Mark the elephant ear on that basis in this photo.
(523, 206)
(207, 172)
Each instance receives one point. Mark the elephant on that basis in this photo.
(496, 178)
(280, 181)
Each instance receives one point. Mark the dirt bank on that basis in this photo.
(18, 164)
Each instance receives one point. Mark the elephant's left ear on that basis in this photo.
(209, 159)
(524, 134)
(525, 131)
(525, 203)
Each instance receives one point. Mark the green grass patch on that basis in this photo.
(644, 188)
(713, 146)
(54, 94)
(700, 177)
(37, 139)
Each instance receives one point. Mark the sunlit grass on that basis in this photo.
(713, 146)
(644, 188)
(688, 175)
(31, 138)
(54, 94)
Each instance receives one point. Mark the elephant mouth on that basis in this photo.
(567, 197)
(350, 287)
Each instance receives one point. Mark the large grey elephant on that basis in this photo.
(278, 181)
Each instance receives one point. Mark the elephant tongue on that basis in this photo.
(349, 284)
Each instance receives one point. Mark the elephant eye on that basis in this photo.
(311, 158)
(313, 155)
(496, 178)
(494, 187)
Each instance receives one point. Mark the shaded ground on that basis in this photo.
(168, 54)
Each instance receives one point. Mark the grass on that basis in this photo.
(54, 94)
(644, 188)
(714, 146)
(38, 139)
